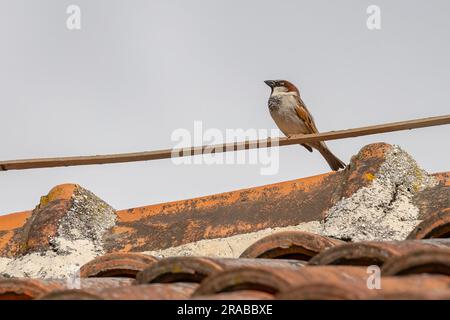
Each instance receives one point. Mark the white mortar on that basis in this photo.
(230, 247)
(78, 241)
(384, 209)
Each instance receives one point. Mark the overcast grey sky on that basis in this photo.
(137, 70)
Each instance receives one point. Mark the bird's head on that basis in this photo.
(282, 86)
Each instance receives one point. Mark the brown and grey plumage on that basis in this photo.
(292, 117)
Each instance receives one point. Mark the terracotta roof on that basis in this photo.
(207, 278)
(125, 265)
(367, 253)
(268, 242)
(290, 244)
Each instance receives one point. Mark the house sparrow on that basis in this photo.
(292, 117)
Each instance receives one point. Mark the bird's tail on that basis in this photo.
(334, 162)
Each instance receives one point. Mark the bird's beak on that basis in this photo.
(270, 83)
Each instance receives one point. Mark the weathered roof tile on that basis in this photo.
(289, 264)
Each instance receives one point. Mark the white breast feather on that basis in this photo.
(285, 116)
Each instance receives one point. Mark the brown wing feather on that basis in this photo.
(307, 118)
